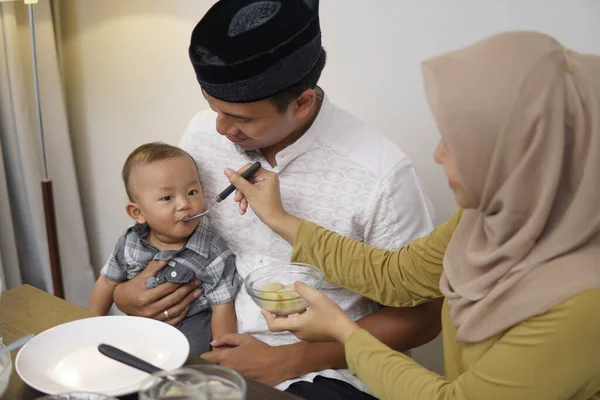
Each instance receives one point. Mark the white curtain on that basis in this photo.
(23, 245)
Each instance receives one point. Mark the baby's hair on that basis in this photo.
(147, 154)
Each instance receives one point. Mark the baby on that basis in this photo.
(163, 186)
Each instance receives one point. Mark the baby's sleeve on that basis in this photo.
(224, 273)
(115, 268)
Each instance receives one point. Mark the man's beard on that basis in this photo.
(249, 154)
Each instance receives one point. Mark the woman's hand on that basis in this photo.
(262, 194)
(323, 320)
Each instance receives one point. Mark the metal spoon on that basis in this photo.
(16, 344)
(225, 193)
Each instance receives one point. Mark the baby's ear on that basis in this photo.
(135, 212)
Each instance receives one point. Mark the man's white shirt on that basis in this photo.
(340, 174)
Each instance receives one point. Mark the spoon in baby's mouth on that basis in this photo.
(225, 193)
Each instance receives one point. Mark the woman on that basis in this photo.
(520, 123)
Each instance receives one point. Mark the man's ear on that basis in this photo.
(303, 104)
(135, 212)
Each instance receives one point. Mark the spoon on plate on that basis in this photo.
(127, 358)
(225, 193)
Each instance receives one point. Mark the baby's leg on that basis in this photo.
(196, 329)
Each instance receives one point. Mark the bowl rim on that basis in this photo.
(240, 377)
(257, 292)
(75, 393)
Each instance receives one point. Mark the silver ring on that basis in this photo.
(166, 313)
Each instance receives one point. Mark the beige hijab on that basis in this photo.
(521, 116)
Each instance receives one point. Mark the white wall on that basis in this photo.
(129, 80)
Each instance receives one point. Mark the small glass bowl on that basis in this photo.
(222, 383)
(272, 287)
(182, 383)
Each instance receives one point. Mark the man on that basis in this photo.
(258, 63)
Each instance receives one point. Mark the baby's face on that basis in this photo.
(168, 191)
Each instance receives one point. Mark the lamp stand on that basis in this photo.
(47, 191)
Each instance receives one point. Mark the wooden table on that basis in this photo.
(26, 309)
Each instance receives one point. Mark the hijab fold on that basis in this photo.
(520, 114)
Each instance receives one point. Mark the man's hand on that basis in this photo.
(251, 357)
(133, 298)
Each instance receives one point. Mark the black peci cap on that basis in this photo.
(249, 50)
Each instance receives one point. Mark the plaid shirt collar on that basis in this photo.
(198, 242)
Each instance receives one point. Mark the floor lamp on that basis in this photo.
(47, 191)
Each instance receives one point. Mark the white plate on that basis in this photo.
(66, 357)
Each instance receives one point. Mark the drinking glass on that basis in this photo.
(222, 383)
(179, 384)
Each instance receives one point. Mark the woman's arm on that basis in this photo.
(552, 356)
(405, 277)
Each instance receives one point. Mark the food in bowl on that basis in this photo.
(272, 287)
(281, 299)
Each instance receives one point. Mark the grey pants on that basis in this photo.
(196, 329)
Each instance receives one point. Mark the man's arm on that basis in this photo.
(275, 364)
